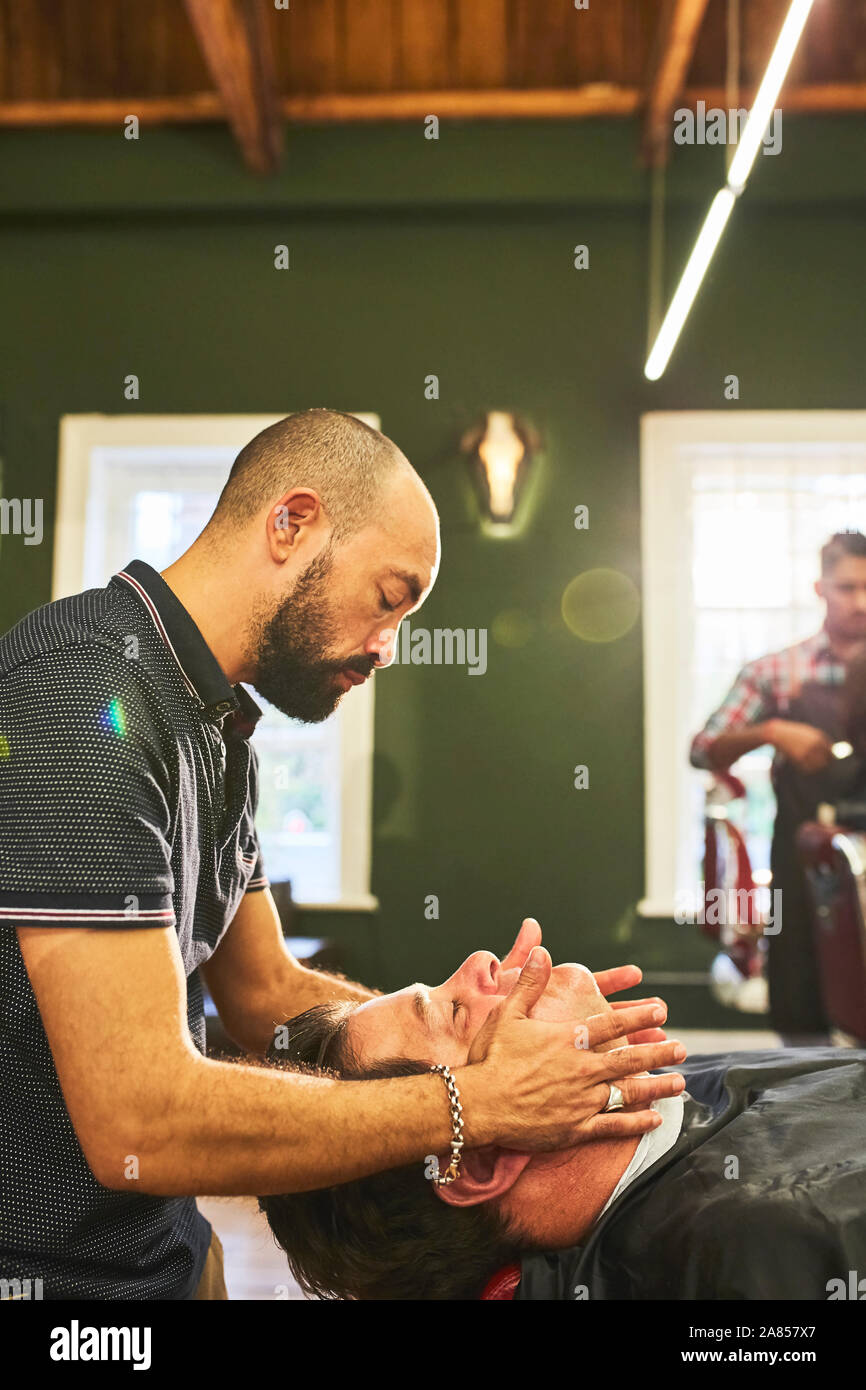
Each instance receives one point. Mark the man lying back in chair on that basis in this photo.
(754, 1185)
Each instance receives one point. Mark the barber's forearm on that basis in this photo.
(318, 987)
(724, 751)
(232, 1128)
(251, 1023)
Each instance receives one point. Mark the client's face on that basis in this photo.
(439, 1024)
(550, 1197)
(384, 1234)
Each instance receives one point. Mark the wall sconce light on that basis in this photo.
(500, 451)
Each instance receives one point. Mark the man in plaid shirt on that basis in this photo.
(792, 700)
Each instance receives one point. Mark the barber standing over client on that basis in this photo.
(130, 868)
(795, 701)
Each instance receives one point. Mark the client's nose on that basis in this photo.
(481, 972)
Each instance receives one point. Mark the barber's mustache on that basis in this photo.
(361, 665)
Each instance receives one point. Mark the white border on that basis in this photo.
(79, 436)
(667, 617)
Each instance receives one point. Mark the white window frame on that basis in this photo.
(79, 436)
(667, 618)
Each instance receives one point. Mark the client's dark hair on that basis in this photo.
(387, 1236)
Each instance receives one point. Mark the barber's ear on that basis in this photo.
(485, 1174)
(296, 510)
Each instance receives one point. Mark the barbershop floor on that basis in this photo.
(256, 1269)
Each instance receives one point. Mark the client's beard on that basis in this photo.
(288, 650)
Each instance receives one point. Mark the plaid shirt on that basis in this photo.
(764, 688)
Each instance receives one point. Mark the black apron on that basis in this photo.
(796, 1004)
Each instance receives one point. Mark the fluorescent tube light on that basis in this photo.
(708, 240)
(765, 98)
(720, 208)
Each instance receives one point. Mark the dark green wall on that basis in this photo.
(411, 258)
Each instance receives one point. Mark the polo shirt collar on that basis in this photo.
(200, 671)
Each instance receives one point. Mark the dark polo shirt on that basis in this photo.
(128, 790)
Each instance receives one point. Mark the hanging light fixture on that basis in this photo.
(500, 451)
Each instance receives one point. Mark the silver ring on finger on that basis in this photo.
(615, 1099)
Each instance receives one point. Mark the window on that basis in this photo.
(735, 508)
(143, 487)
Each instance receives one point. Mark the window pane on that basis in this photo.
(760, 515)
(298, 819)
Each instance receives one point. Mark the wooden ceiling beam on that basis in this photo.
(817, 97)
(675, 42)
(489, 103)
(102, 111)
(335, 107)
(234, 40)
(594, 99)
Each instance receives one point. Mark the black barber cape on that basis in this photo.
(792, 1125)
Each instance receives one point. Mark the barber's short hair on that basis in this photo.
(838, 546)
(387, 1236)
(343, 459)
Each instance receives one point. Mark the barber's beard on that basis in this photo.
(288, 649)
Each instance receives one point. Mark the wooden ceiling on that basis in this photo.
(257, 66)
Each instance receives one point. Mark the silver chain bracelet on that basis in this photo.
(453, 1169)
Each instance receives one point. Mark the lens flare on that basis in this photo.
(600, 605)
(511, 628)
(112, 719)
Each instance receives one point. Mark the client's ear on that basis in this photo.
(485, 1174)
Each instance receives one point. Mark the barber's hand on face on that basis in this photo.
(626, 977)
(528, 936)
(809, 749)
(545, 1083)
(608, 981)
